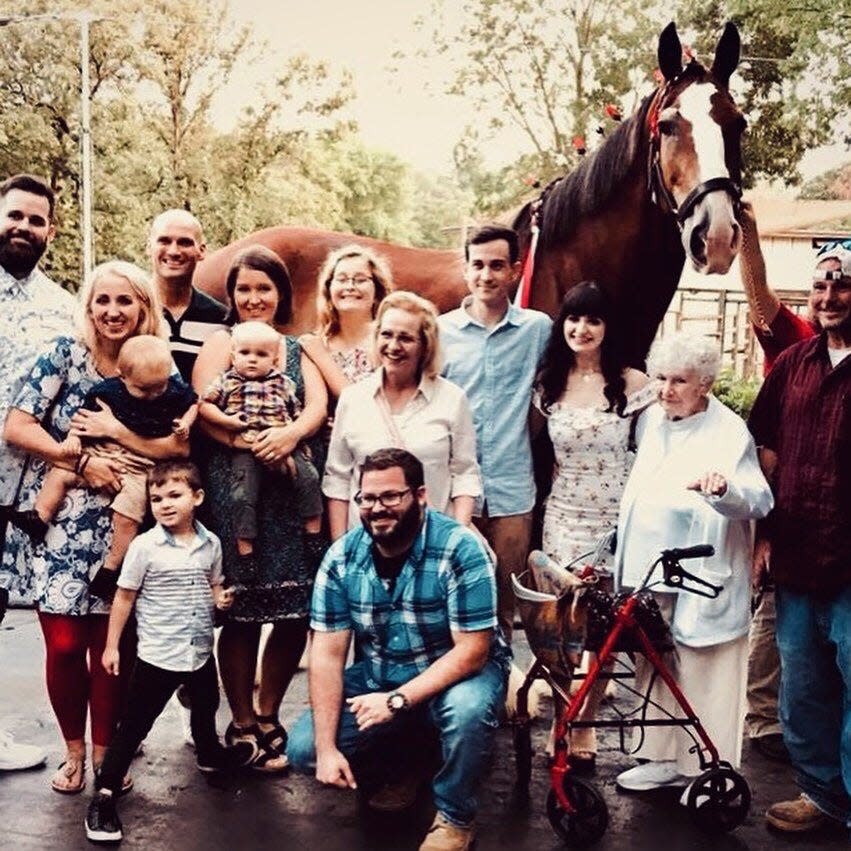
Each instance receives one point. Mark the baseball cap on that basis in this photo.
(836, 249)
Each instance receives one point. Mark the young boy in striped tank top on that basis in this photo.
(173, 576)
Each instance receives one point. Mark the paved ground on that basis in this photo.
(173, 806)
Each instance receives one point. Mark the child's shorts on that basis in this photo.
(132, 500)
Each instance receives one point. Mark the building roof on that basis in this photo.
(780, 216)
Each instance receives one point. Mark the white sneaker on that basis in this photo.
(651, 775)
(14, 756)
(180, 700)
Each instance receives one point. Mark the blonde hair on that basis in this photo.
(326, 314)
(429, 334)
(151, 319)
(145, 355)
(254, 332)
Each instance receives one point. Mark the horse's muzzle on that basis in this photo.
(711, 235)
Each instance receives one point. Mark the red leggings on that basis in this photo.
(76, 679)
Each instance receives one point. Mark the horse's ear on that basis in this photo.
(727, 54)
(670, 52)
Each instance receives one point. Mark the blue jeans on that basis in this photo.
(814, 640)
(465, 717)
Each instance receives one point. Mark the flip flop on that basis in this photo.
(68, 768)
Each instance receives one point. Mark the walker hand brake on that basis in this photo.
(676, 576)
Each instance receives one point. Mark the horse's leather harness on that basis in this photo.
(659, 192)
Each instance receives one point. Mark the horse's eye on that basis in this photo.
(668, 127)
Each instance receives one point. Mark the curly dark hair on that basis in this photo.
(584, 299)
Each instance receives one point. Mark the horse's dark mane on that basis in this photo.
(587, 189)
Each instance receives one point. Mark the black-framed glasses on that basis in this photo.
(389, 499)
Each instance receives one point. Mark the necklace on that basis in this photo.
(586, 374)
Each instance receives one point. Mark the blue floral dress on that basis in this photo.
(57, 573)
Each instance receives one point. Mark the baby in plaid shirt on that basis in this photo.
(250, 396)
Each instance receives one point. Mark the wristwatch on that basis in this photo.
(397, 701)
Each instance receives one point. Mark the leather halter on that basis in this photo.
(656, 186)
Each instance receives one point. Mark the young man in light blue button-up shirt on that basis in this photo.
(492, 349)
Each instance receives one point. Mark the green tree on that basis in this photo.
(832, 185)
(40, 113)
(544, 67)
(794, 79)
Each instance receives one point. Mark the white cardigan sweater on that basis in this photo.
(658, 512)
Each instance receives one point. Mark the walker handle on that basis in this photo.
(697, 551)
(676, 576)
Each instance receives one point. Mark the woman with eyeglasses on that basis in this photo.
(351, 284)
(404, 404)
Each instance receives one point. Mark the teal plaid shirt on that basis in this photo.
(447, 583)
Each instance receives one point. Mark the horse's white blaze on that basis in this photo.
(695, 107)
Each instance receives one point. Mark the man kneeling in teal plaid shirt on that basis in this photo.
(417, 589)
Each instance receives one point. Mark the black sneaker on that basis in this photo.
(102, 822)
(237, 755)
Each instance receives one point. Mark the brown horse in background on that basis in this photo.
(436, 275)
(664, 186)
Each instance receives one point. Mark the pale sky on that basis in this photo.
(394, 111)
(406, 112)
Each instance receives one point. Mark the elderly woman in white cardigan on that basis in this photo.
(696, 479)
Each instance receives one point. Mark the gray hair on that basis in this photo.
(685, 352)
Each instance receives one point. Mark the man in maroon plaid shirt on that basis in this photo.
(802, 423)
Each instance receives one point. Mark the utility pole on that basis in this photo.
(84, 19)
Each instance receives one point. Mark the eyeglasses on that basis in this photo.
(389, 499)
(357, 280)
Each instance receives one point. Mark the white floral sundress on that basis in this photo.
(592, 463)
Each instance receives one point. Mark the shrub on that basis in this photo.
(738, 394)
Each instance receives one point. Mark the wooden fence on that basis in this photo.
(723, 315)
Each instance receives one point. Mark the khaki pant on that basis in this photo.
(763, 672)
(509, 539)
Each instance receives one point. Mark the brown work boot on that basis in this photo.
(398, 795)
(796, 816)
(445, 836)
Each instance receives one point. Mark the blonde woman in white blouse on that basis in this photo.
(406, 404)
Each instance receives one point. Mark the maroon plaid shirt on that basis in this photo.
(803, 413)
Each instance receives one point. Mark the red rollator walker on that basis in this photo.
(564, 614)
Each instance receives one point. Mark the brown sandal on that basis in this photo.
(68, 769)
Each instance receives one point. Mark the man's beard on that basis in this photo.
(19, 260)
(405, 529)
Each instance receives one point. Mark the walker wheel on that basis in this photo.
(590, 816)
(719, 799)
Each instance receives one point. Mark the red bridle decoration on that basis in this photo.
(524, 290)
(653, 113)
